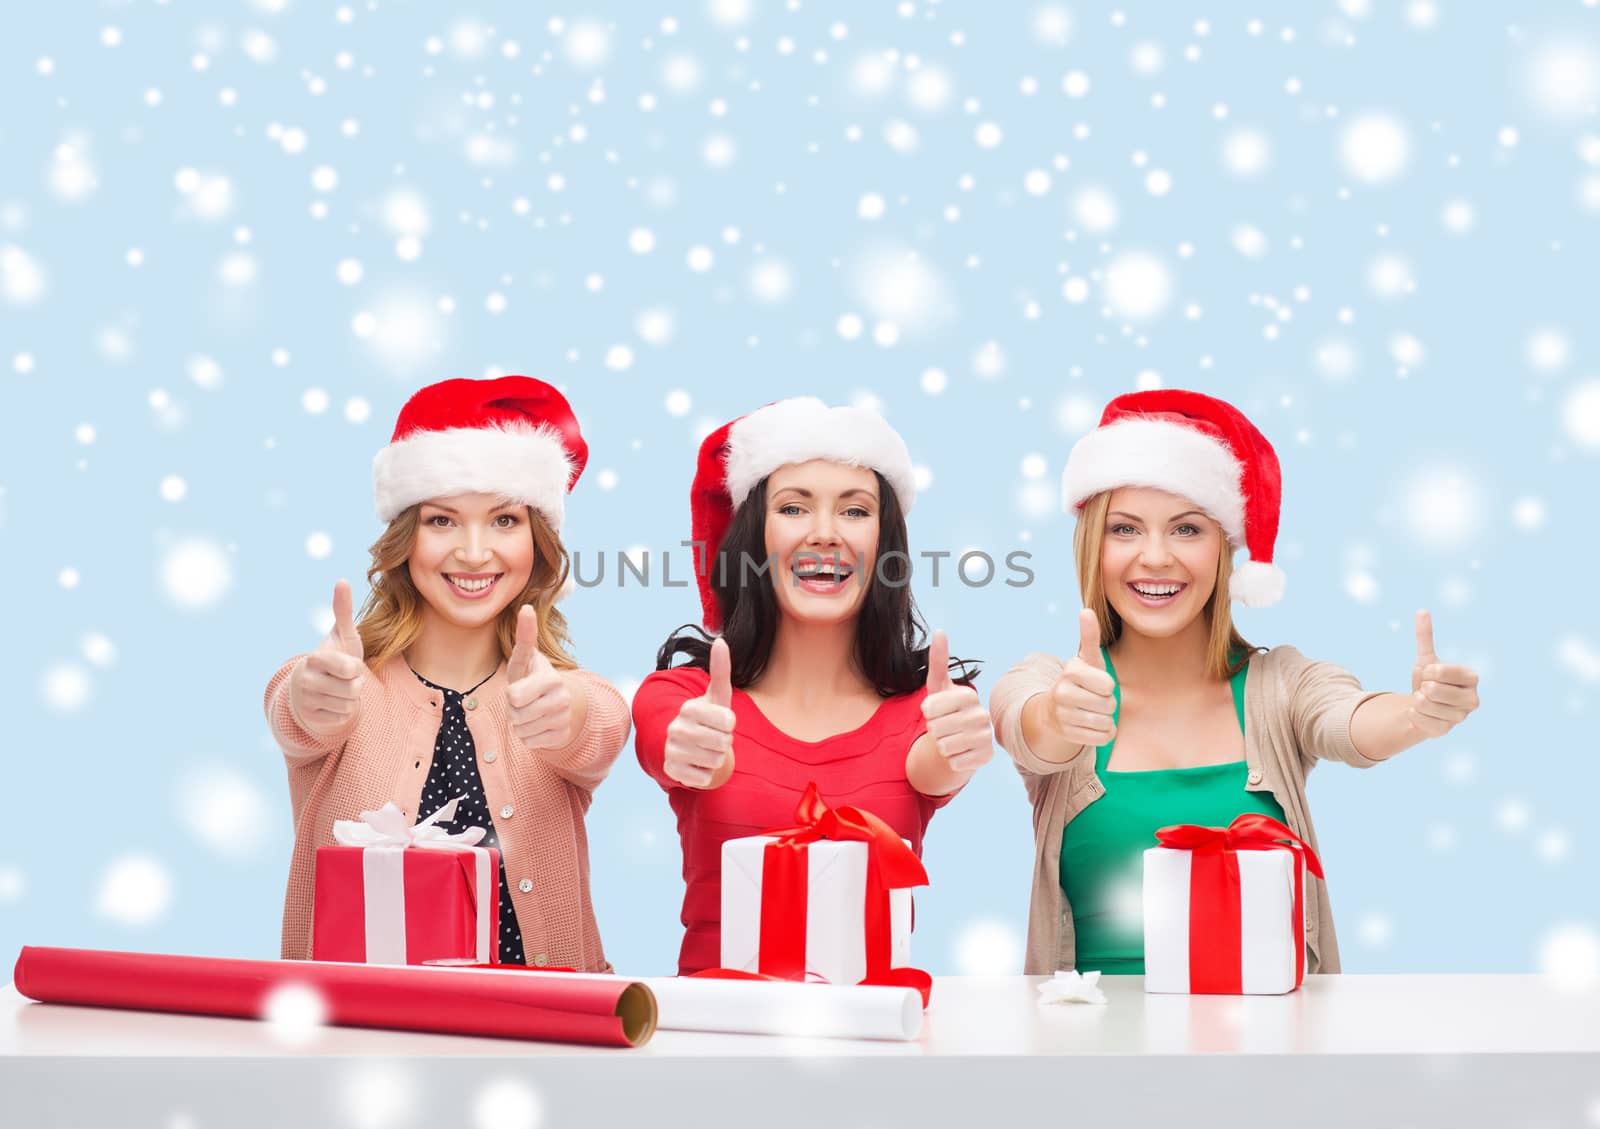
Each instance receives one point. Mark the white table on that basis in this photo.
(1392, 1050)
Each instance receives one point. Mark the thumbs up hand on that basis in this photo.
(957, 721)
(1083, 700)
(325, 686)
(1442, 694)
(699, 750)
(541, 703)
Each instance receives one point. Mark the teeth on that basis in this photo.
(1163, 590)
(471, 585)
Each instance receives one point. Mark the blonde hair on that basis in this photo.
(1224, 641)
(391, 619)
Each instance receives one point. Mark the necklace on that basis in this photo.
(463, 693)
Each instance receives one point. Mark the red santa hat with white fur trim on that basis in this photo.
(515, 437)
(1202, 449)
(737, 455)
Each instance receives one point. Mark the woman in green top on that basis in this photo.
(1168, 485)
(1102, 851)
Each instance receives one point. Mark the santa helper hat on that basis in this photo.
(514, 436)
(1199, 448)
(737, 455)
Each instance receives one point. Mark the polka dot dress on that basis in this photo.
(455, 773)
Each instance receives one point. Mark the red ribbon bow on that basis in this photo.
(1249, 832)
(891, 865)
(897, 864)
(1215, 941)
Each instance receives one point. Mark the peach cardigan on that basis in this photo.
(538, 799)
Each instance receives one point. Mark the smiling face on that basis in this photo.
(473, 555)
(1159, 559)
(822, 538)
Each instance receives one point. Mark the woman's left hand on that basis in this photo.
(541, 704)
(1442, 694)
(957, 721)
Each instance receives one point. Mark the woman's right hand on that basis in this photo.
(699, 750)
(325, 686)
(1082, 701)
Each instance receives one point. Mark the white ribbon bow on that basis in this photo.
(387, 827)
(1072, 988)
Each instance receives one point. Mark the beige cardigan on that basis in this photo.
(1296, 712)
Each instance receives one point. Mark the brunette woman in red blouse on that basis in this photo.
(821, 672)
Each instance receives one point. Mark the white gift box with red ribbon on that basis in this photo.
(1224, 908)
(827, 899)
(834, 909)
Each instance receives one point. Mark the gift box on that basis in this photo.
(1224, 908)
(391, 893)
(828, 899)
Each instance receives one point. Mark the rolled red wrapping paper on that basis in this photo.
(601, 1011)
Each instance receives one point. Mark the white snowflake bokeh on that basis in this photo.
(225, 811)
(12, 884)
(294, 1013)
(377, 1095)
(988, 948)
(135, 891)
(507, 1103)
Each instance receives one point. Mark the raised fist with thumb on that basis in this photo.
(699, 748)
(541, 703)
(1083, 702)
(325, 686)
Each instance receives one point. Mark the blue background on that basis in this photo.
(1455, 472)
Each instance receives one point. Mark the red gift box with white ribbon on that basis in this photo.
(1225, 908)
(392, 893)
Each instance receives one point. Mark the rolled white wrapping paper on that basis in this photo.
(770, 1007)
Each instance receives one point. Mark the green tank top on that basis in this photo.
(1102, 848)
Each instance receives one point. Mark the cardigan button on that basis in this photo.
(489, 755)
(471, 703)
(540, 960)
(507, 812)
(1255, 776)
(526, 885)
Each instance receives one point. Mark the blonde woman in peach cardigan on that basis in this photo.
(456, 681)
